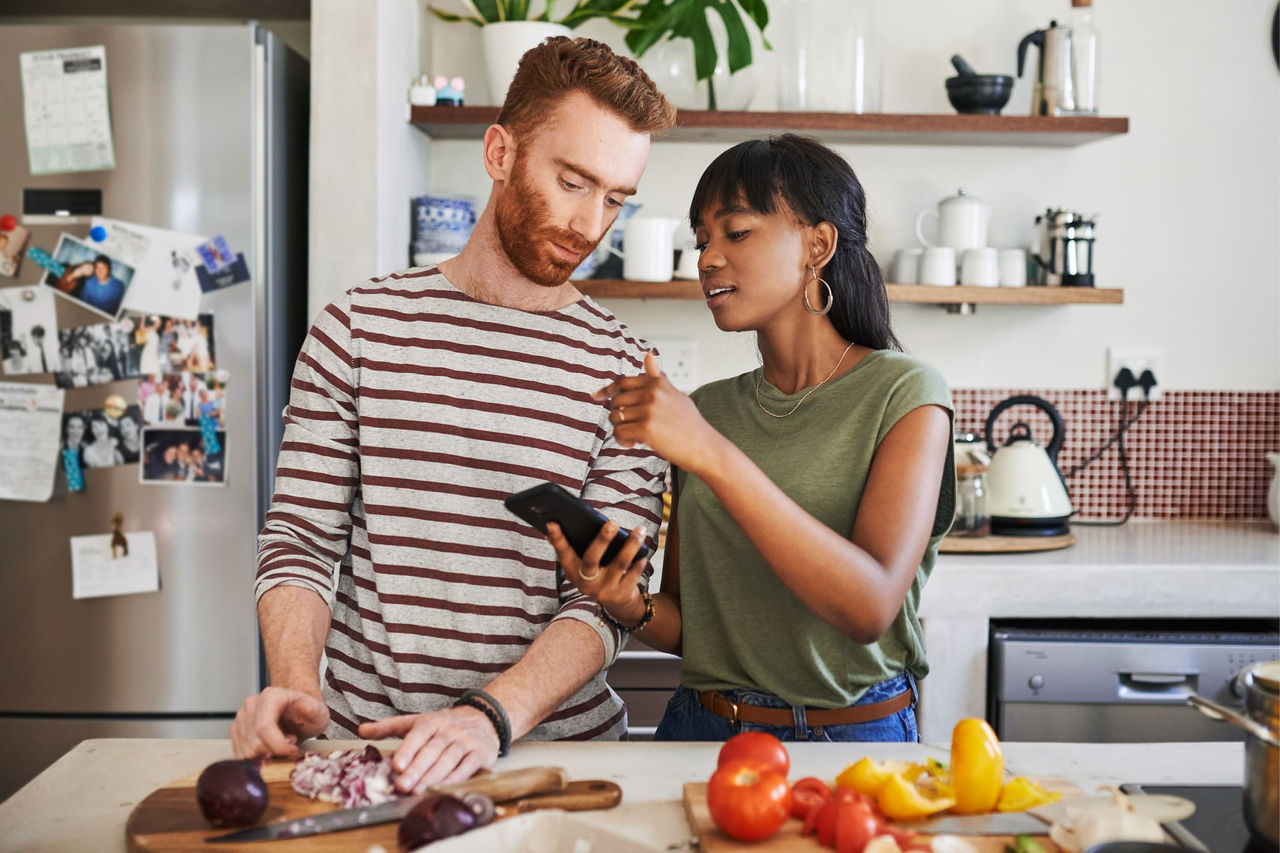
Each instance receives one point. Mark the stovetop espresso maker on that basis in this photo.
(1064, 249)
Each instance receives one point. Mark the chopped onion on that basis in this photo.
(349, 777)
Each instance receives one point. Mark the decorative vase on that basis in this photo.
(671, 65)
(504, 43)
(828, 59)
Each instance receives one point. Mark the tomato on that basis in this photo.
(748, 800)
(856, 824)
(807, 794)
(756, 746)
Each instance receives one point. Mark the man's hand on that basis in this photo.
(274, 721)
(439, 747)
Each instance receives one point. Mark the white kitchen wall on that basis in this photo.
(1189, 199)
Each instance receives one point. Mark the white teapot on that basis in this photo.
(962, 223)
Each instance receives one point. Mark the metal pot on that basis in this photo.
(1261, 720)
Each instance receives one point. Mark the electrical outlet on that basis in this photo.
(1137, 359)
(679, 360)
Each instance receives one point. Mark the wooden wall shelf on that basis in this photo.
(728, 127)
(918, 293)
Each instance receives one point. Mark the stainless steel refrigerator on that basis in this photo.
(210, 135)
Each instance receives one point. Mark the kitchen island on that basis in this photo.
(82, 801)
(1145, 569)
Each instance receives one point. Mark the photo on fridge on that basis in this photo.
(179, 456)
(101, 440)
(183, 399)
(11, 245)
(171, 345)
(93, 355)
(28, 331)
(90, 278)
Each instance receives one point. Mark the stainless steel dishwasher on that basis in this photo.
(1122, 681)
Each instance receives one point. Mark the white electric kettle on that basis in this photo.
(962, 223)
(1026, 495)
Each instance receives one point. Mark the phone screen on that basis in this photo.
(579, 521)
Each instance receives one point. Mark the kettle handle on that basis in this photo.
(1059, 428)
(1036, 38)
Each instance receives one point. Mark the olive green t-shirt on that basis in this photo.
(742, 626)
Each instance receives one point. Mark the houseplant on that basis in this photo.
(647, 22)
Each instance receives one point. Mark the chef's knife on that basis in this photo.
(500, 787)
(998, 823)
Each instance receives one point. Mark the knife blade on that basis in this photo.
(500, 787)
(999, 823)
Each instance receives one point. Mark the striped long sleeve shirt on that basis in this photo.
(414, 411)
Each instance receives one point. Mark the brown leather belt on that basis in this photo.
(718, 703)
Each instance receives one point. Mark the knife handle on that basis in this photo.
(512, 784)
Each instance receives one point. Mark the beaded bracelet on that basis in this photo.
(492, 709)
(644, 620)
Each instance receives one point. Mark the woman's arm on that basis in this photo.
(856, 584)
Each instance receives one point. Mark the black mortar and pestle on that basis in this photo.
(971, 92)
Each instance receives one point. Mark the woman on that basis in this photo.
(102, 452)
(130, 436)
(810, 494)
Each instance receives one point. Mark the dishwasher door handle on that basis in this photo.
(1156, 687)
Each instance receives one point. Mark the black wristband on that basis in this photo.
(492, 709)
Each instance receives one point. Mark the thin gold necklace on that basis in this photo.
(806, 396)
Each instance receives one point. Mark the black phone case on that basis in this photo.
(580, 522)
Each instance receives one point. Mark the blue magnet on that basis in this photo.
(97, 233)
(209, 432)
(71, 464)
(44, 259)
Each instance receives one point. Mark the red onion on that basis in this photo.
(231, 793)
(481, 804)
(351, 778)
(436, 816)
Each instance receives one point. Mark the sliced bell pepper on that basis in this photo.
(868, 777)
(901, 799)
(1020, 794)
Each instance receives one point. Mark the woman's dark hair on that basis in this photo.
(818, 186)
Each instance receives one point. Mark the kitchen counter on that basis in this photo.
(82, 801)
(1142, 569)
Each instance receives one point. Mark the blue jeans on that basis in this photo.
(686, 718)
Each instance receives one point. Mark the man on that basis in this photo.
(103, 290)
(420, 401)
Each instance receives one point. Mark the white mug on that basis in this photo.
(906, 265)
(1013, 267)
(938, 265)
(688, 267)
(980, 267)
(648, 248)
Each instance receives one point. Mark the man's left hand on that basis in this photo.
(440, 747)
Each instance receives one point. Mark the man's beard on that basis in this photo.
(520, 214)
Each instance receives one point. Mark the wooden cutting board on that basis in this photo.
(1003, 544)
(169, 820)
(789, 839)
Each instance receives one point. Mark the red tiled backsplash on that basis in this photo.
(1192, 454)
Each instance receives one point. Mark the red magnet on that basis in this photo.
(8, 222)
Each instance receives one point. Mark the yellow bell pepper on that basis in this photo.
(1020, 794)
(901, 799)
(977, 766)
(868, 777)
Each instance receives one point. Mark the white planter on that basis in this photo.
(504, 43)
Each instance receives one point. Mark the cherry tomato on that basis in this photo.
(748, 800)
(807, 794)
(856, 823)
(756, 746)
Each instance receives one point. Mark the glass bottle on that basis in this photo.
(1084, 57)
(971, 502)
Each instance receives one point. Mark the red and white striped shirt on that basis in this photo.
(415, 410)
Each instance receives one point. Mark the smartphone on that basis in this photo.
(579, 521)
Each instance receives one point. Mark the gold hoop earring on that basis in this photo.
(804, 295)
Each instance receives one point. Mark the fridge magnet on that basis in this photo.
(65, 105)
(179, 456)
(209, 435)
(12, 240)
(90, 277)
(30, 416)
(45, 260)
(119, 544)
(94, 355)
(97, 570)
(100, 439)
(183, 399)
(71, 467)
(164, 279)
(29, 339)
(220, 267)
